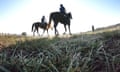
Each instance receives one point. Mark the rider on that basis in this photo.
(43, 20)
(62, 9)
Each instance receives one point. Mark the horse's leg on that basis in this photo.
(69, 30)
(65, 29)
(38, 32)
(55, 27)
(34, 33)
(47, 32)
(43, 32)
(33, 30)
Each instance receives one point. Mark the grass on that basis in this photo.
(97, 52)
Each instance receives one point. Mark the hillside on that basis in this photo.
(86, 52)
(111, 27)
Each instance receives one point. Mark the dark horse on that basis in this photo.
(58, 17)
(37, 25)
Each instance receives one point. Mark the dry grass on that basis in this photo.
(88, 52)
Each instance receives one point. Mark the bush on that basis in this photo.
(24, 34)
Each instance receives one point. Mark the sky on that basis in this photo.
(17, 16)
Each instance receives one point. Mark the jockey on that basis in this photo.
(62, 9)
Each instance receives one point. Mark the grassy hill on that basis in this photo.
(109, 28)
(97, 51)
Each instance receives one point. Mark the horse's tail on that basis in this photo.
(50, 19)
(32, 27)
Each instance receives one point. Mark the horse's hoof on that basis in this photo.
(70, 33)
(57, 35)
(64, 33)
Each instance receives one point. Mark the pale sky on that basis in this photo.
(17, 16)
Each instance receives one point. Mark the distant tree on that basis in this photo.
(24, 34)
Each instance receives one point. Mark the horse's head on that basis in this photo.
(69, 15)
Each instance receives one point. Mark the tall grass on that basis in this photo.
(82, 53)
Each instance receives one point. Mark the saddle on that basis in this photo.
(63, 14)
(43, 24)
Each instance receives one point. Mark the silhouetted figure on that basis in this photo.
(62, 9)
(43, 21)
(57, 17)
(37, 25)
(93, 29)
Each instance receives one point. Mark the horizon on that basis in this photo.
(17, 16)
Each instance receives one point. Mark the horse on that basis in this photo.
(37, 25)
(58, 17)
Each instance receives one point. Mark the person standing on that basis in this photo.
(93, 29)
